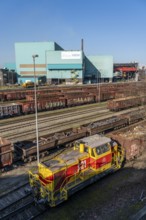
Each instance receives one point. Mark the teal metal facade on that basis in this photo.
(10, 66)
(24, 60)
(59, 65)
(98, 68)
(64, 66)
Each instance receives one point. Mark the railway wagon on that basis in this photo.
(75, 94)
(134, 116)
(104, 95)
(91, 158)
(44, 96)
(73, 91)
(2, 97)
(106, 125)
(123, 103)
(42, 105)
(28, 107)
(10, 96)
(6, 152)
(27, 149)
(133, 139)
(80, 100)
(137, 92)
(86, 88)
(8, 110)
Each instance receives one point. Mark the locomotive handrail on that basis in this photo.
(78, 174)
(35, 177)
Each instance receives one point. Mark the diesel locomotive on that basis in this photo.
(91, 158)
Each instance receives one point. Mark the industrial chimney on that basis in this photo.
(82, 44)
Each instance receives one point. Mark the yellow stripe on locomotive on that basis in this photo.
(90, 159)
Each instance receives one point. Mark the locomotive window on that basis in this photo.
(102, 149)
(99, 150)
(86, 149)
(105, 148)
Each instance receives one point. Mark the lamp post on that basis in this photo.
(98, 85)
(36, 111)
(99, 90)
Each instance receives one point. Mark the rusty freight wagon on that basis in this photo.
(134, 116)
(132, 138)
(27, 149)
(44, 96)
(16, 95)
(6, 152)
(2, 97)
(80, 100)
(104, 95)
(105, 125)
(42, 105)
(10, 109)
(128, 102)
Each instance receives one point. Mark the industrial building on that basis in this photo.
(98, 69)
(56, 65)
(7, 76)
(125, 71)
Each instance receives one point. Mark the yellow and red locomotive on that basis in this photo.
(90, 159)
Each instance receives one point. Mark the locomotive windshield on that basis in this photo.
(102, 149)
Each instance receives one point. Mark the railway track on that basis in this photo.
(23, 208)
(64, 111)
(57, 124)
(49, 118)
(45, 128)
(18, 203)
(26, 212)
(13, 199)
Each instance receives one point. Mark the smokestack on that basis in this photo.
(82, 44)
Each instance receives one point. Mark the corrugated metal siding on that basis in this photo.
(10, 66)
(24, 52)
(101, 65)
(60, 68)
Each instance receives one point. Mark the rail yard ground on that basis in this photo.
(117, 196)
